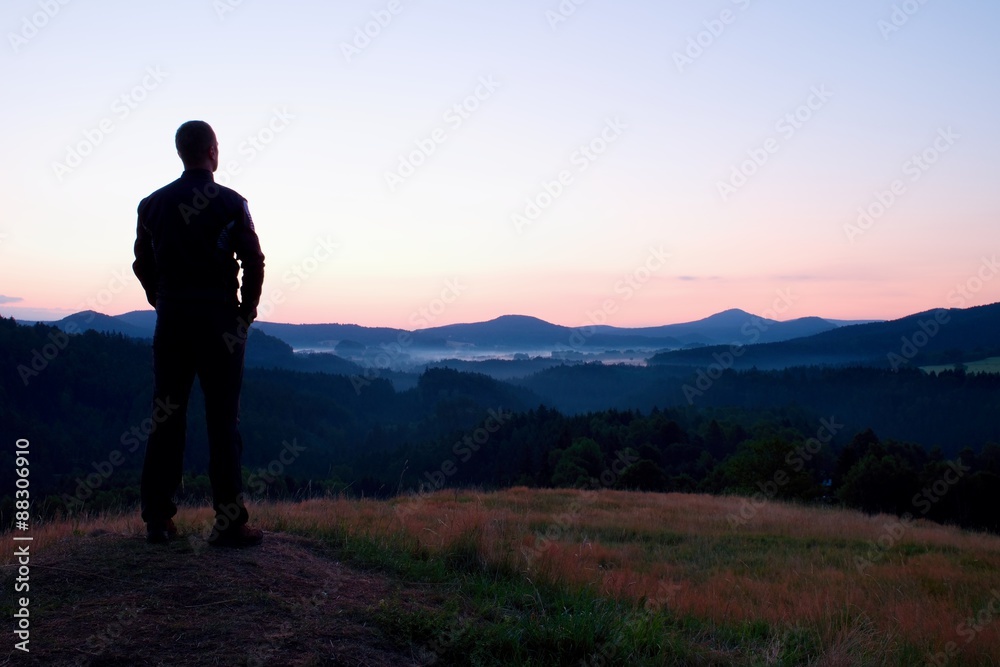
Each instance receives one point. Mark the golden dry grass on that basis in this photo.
(789, 566)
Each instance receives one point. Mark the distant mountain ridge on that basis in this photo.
(736, 326)
(89, 320)
(933, 336)
(507, 332)
(521, 331)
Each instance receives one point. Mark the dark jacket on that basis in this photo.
(189, 237)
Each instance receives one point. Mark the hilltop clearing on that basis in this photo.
(519, 577)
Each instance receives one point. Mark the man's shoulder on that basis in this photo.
(158, 193)
(210, 189)
(196, 189)
(169, 186)
(228, 192)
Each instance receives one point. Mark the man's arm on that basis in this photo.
(247, 247)
(144, 265)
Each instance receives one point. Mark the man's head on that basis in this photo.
(197, 145)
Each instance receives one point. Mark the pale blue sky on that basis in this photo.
(656, 186)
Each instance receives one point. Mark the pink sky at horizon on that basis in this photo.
(750, 163)
(608, 308)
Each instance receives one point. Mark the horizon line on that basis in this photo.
(497, 317)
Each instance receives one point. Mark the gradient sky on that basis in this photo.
(443, 246)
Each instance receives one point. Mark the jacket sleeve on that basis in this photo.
(144, 265)
(247, 247)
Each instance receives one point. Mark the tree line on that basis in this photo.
(87, 414)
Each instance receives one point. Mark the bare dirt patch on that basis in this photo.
(111, 599)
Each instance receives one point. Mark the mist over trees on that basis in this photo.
(900, 442)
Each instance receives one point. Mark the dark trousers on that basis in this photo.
(207, 342)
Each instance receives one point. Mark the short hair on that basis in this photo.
(193, 140)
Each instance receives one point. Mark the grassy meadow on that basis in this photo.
(990, 365)
(542, 577)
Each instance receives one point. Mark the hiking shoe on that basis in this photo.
(160, 532)
(241, 536)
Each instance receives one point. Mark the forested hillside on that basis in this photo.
(940, 336)
(84, 403)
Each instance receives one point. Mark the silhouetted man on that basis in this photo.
(188, 240)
